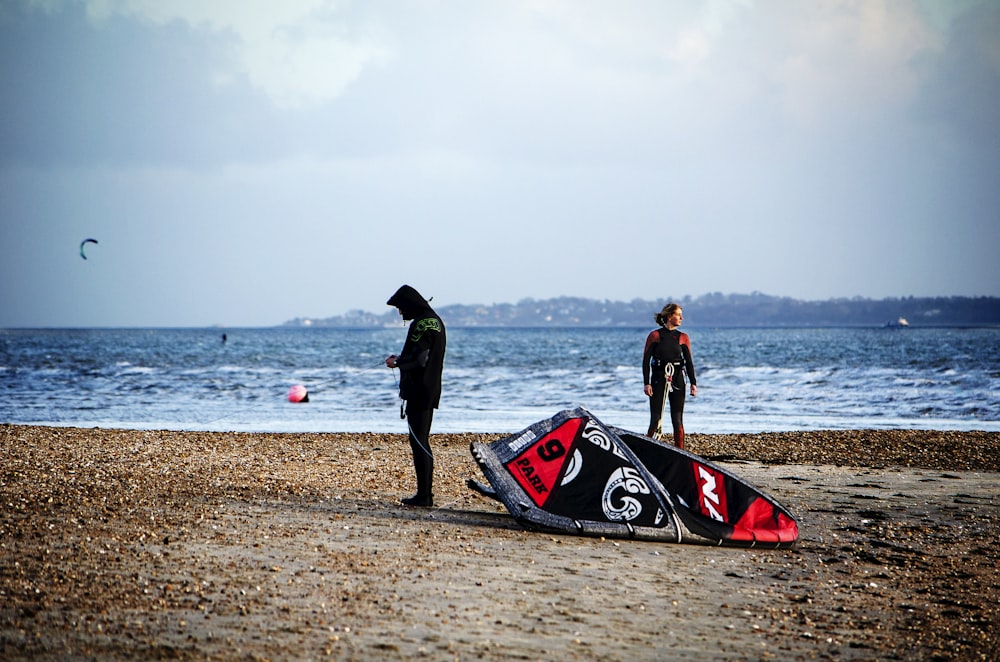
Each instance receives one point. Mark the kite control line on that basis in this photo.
(417, 439)
(300, 394)
(668, 373)
(402, 415)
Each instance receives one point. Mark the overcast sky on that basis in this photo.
(243, 163)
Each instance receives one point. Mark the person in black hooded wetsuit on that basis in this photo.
(665, 359)
(420, 364)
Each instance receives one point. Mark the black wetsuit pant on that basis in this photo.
(419, 422)
(676, 399)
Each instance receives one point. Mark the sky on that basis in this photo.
(247, 162)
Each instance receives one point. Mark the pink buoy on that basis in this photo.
(298, 393)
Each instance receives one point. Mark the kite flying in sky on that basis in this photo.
(84, 243)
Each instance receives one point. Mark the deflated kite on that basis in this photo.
(572, 474)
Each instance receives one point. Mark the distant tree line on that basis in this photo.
(709, 310)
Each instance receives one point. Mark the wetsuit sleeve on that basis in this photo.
(688, 363)
(417, 350)
(647, 354)
(413, 360)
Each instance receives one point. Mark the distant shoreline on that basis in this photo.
(710, 310)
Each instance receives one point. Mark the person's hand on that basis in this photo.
(391, 361)
(694, 390)
(648, 390)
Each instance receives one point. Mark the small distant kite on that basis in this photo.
(84, 243)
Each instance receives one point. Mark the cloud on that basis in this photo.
(299, 53)
(852, 61)
(962, 92)
(558, 81)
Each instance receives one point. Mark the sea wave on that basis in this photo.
(497, 380)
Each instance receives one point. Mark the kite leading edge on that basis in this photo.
(84, 243)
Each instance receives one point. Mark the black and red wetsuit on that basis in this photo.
(667, 355)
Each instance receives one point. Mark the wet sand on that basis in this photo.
(189, 545)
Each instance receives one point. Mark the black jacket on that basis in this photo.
(422, 359)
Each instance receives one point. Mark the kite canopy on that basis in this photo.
(298, 393)
(573, 474)
(84, 243)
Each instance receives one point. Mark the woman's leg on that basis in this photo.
(677, 413)
(655, 408)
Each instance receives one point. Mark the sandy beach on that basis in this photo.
(122, 544)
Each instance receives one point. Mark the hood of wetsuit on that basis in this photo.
(410, 303)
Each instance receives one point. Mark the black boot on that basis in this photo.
(417, 500)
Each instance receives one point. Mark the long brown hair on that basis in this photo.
(665, 314)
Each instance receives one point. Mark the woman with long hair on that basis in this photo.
(665, 360)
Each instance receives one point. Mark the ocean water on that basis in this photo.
(497, 380)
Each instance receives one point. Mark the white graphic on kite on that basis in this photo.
(624, 508)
